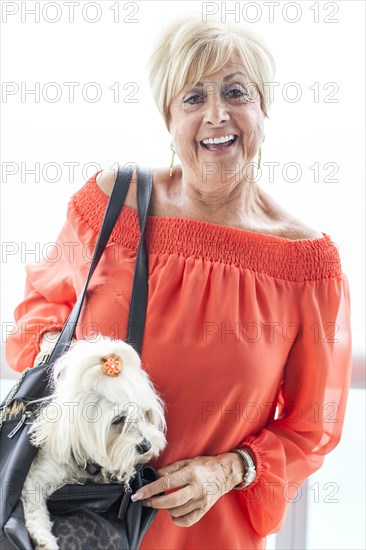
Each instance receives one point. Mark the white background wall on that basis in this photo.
(328, 56)
(317, 45)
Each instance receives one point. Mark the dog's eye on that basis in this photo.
(118, 420)
(149, 416)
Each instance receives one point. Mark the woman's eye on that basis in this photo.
(237, 93)
(118, 420)
(191, 100)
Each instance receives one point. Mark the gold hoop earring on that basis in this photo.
(172, 161)
(259, 157)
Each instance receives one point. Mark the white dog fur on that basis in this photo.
(91, 418)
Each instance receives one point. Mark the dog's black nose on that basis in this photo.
(144, 446)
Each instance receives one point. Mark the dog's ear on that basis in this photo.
(51, 432)
(155, 414)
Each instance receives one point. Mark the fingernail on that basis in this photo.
(146, 503)
(136, 496)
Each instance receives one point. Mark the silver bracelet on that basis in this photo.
(250, 471)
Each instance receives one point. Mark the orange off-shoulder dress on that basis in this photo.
(247, 339)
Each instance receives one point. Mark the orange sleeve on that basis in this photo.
(49, 293)
(312, 405)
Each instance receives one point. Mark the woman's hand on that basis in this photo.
(48, 342)
(202, 481)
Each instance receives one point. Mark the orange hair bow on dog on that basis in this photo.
(112, 365)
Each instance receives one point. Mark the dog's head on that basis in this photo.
(103, 412)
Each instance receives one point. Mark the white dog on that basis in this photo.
(103, 418)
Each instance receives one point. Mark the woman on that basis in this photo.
(247, 334)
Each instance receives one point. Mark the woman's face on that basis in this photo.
(225, 105)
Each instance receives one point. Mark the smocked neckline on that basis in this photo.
(227, 226)
(298, 260)
(134, 211)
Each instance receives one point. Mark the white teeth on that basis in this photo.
(222, 139)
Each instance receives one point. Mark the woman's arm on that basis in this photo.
(314, 393)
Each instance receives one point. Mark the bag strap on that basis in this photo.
(136, 320)
(138, 303)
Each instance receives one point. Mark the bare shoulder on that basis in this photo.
(107, 177)
(299, 231)
(290, 227)
(105, 181)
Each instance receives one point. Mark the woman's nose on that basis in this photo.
(143, 447)
(216, 111)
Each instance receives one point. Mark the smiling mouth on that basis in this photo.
(218, 146)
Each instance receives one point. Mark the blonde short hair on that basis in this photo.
(189, 49)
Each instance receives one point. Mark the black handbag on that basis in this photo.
(91, 515)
